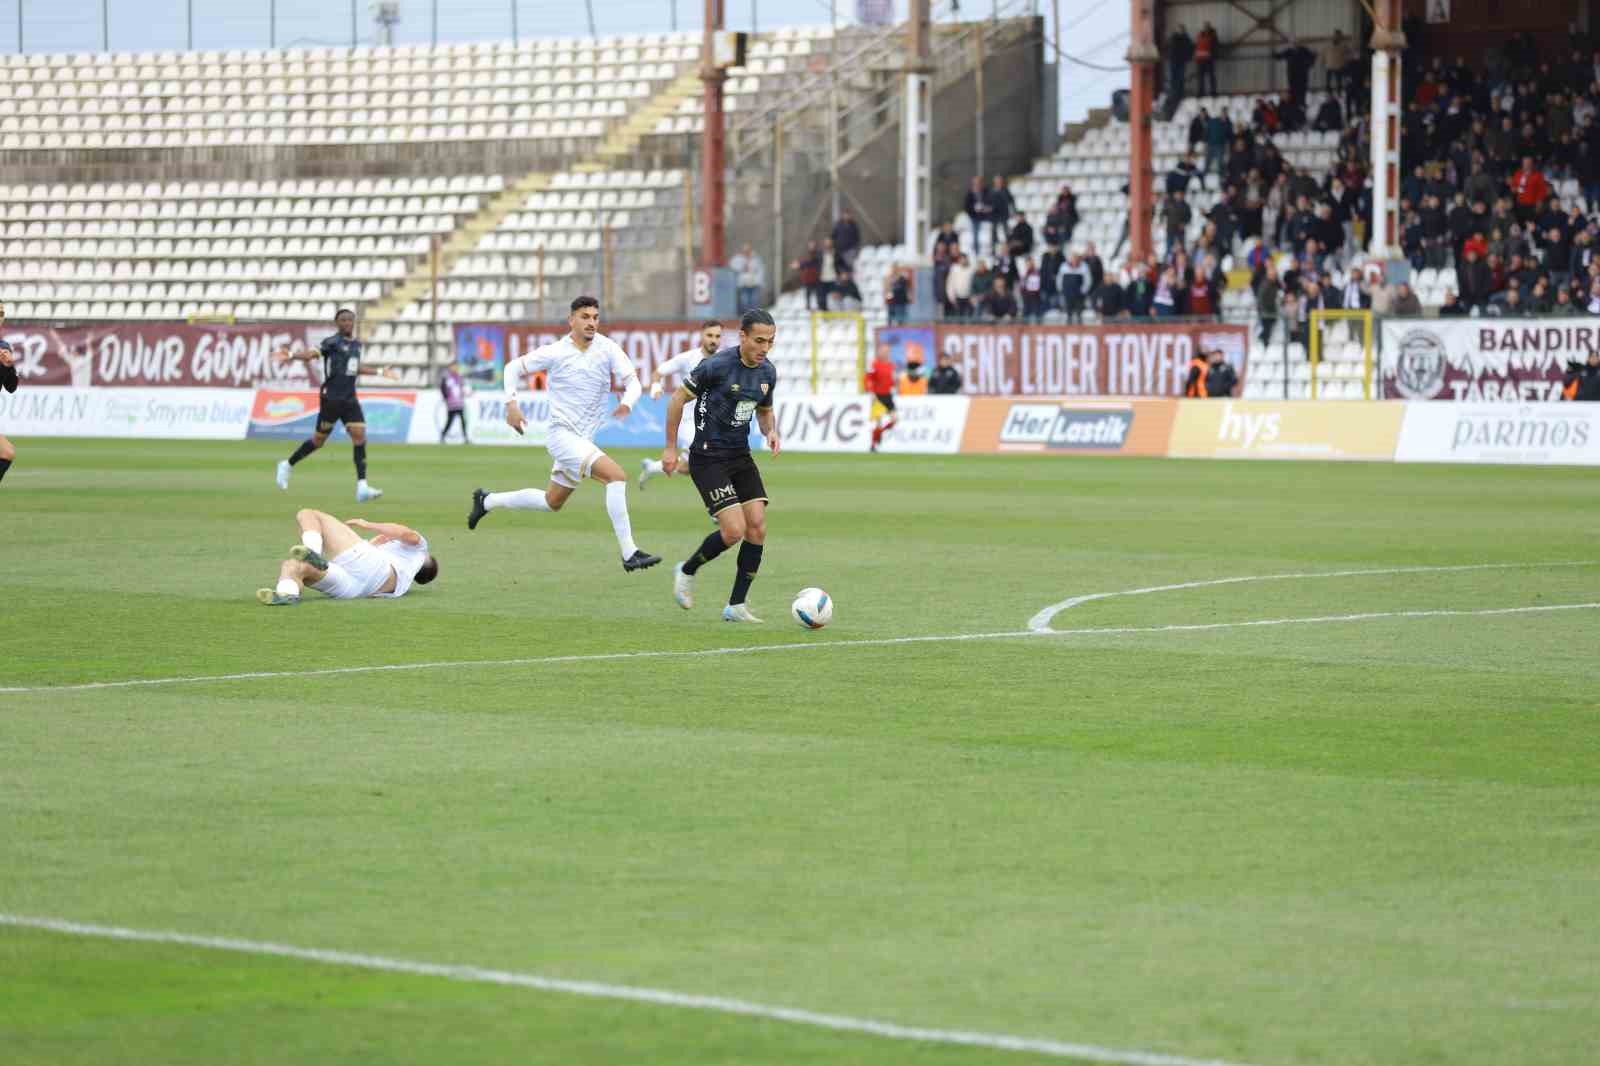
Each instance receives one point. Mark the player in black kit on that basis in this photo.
(727, 390)
(8, 382)
(341, 366)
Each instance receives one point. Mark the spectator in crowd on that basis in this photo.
(1001, 206)
(1180, 49)
(1049, 278)
(1097, 268)
(1205, 61)
(1582, 383)
(1021, 239)
(1140, 292)
(982, 282)
(976, 206)
(1165, 301)
(1335, 58)
(1473, 281)
(958, 289)
(1405, 303)
(1203, 298)
(809, 269)
(1032, 289)
(828, 278)
(1062, 221)
(946, 249)
(1530, 188)
(999, 305)
(1267, 301)
(1182, 174)
(1176, 214)
(1329, 118)
(1452, 307)
(847, 292)
(1197, 128)
(846, 240)
(1075, 286)
(1218, 135)
(454, 390)
(1110, 301)
(897, 293)
(1291, 312)
(750, 276)
(1297, 61)
(946, 380)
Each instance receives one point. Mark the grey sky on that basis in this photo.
(1090, 31)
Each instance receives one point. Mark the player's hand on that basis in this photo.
(772, 442)
(281, 355)
(515, 418)
(655, 386)
(669, 461)
(621, 411)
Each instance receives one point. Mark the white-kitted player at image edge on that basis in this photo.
(579, 369)
(681, 365)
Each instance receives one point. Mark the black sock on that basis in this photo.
(361, 462)
(305, 449)
(749, 563)
(709, 550)
(5, 464)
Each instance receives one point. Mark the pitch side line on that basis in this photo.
(552, 660)
(629, 993)
(1040, 623)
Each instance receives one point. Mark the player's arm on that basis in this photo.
(663, 372)
(387, 531)
(8, 369)
(681, 396)
(769, 427)
(379, 370)
(516, 369)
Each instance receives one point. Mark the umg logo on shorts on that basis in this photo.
(722, 492)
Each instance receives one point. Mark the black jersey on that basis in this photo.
(341, 363)
(8, 374)
(727, 395)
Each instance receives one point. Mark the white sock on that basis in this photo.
(521, 500)
(312, 538)
(653, 466)
(288, 586)
(617, 508)
(361, 484)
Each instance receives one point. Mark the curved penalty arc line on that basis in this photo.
(1040, 622)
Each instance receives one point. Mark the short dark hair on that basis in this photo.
(585, 301)
(755, 317)
(343, 311)
(428, 571)
(708, 323)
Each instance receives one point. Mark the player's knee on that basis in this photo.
(756, 532)
(555, 502)
(306, 514)
(732, 532)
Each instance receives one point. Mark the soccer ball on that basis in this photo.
(812, 608)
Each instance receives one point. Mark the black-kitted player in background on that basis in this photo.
(8, 382)
(341, 366)
(728, 390)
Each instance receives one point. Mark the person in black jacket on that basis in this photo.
(1221, 379)
(8, 381)
(946, 379)
(1583, 383)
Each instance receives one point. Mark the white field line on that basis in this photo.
(1040, 623)
(597, 990)
(551, 660)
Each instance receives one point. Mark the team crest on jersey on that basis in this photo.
(736, 388)
(763, 388)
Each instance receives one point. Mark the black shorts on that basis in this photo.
(724, 481)
(887, 399)
(339, 409)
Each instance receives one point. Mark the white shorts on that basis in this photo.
(356, 573)
(574, 456)
(686, 434)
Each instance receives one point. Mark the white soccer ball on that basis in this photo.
(812, 608)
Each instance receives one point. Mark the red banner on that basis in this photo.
(162, 354)
(1121, 359)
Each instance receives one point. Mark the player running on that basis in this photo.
(581, 367)
(681, 364)
(727, 389)
(341, 366)
(880, 383)
(385, 566)
(8, 381)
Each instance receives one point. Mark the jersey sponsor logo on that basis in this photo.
(745, 410)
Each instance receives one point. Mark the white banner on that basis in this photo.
(1482, 360)
(924, 425)
(1544, 434)
(173, 414)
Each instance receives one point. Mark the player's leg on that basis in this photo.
(550, 498)
(292, 574)
(8, 454)
(319, 437)
(753, 509)
(722, 502)
(605, 470)
(355, 421)
(323, 536)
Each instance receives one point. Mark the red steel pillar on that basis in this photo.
(713, 155)
(1142, 58)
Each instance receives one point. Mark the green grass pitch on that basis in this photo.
(1370, 841)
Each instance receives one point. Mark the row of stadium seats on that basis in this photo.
(323, 188)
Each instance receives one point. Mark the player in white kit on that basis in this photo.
(680, 365)
(336, 561)
(580, 369)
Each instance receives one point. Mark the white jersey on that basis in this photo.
(406, 559)
(681, 364)
(579, 381)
